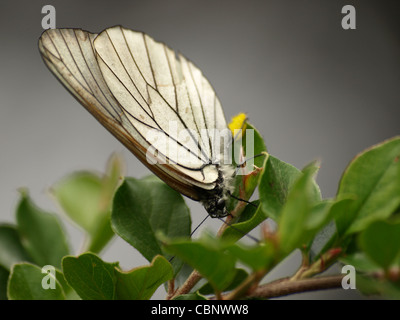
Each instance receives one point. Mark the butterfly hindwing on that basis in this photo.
(136, 86)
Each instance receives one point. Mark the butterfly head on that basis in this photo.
(216, 207)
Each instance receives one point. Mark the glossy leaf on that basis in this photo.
(342, 213)
(41, 233)
(332, 233)
(11, 249)
(319, 215)
(381, 242)
(90, 277)
(361, 262)
(86, 198)
(249, 151)
(259, 257)
(206, 256)
(376, 287)
(373, 178)
(141, 283)
(293, 230)
(276, 182)
(324, 240)
(239, 277)
(25, 283)
(70, 293)
(4, 273)
(144, 207)
(251, 216)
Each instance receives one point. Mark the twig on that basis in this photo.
(246, 286)
(284, 287)
(171, 289)
(190, 282)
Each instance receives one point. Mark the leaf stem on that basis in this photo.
(233, 215)
(320, 265)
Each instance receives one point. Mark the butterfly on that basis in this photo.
(154, 101)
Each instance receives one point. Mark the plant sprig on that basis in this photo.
(360, 226)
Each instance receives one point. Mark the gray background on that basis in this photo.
(314, 90)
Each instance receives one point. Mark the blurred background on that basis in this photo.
(314, 90)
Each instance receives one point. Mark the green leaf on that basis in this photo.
(251, 216)
(86, 198)
(361, 262)
(41, 233)
(94, 279)
(249, 150)
(11, 249)
(3, 283)
(373, 178)
(276, 181)
(381, 242)
(240, 276)
(145, 207)
(252, 149)
(295, 214)
(320, 227)
(25, 283)
(79, 195)
(247, 145)
(331, 234)
(90, 277)
(259, 145)
(324, 240)
(142, 282)
(319, 215)
(207, 257)
(70, 293)
(259, 257)
(341, 213)
(370, 286)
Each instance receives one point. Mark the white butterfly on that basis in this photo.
(137, 87)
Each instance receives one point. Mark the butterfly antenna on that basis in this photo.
(195, 229)
(239, 199)
(240, 165)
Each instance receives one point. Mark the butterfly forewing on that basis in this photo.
(69, 54)
(137, 88)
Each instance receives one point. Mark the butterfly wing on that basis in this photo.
(136, 86)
